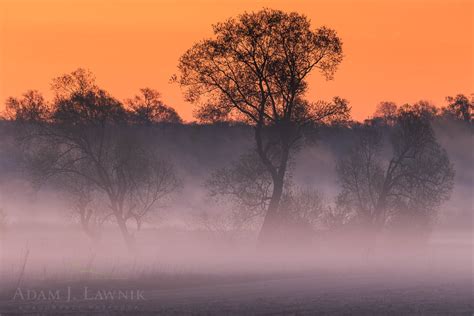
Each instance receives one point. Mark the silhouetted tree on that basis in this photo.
(30, 108)
(85, 203)
(147, 108)
(243, 192)
(460, 107)
(89, 138)
(305, 206)
(255, 70)
(422, 108)
(304, 211)
(244, 188)
(415, 180)
(387, 111)
(79, 82)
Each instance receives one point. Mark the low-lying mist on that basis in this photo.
(191, 233)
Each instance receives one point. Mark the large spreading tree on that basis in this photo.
(86, 143)
(255, 69)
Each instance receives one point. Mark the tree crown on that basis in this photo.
(255, 68)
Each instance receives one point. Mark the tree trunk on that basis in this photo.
(85, 219)
(269, 233)
(122, 223)
(127, 237)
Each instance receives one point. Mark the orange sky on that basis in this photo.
(397, 50)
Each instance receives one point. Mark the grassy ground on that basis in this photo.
(224, 281)
(381, 292)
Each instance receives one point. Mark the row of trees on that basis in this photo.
(394, 174)
(86, 144)
(79, 89)
(254, 70)
(377, 190)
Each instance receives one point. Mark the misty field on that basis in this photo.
(205, 276)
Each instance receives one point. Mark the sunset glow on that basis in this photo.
(395, 50)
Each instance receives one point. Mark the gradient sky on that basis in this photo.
(398, 50)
